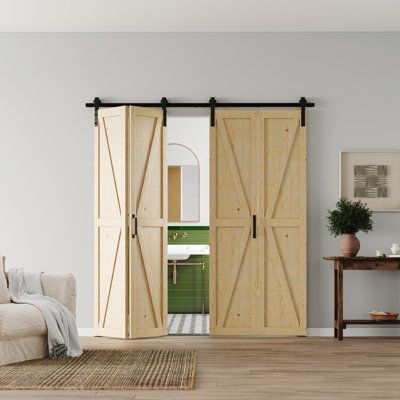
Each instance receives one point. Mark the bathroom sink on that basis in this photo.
(178, 256)
(183, 252)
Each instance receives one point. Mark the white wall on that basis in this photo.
(193, 132)
(46, 134)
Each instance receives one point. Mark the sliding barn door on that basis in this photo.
(233, 251)
(149, 219)
(258, 266)
(282, 221)
(111, 219)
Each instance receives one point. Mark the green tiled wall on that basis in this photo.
(195, 235)
(185, 295)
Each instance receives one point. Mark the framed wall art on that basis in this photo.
(372, 176)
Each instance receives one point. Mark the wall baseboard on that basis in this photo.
(322, 332)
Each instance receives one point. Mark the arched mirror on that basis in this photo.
(183, 184)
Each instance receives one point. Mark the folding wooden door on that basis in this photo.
(258, 223)
(257, 227)
(281, 218)
(148, 261)
(130, 223)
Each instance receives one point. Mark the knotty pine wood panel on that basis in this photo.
(111, 220)
(233, 258)
(148, 250)
(282, 265)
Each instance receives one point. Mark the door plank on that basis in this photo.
(110, 285)
(110, 223)
(150, 158)
(232, 166)
(230, 223)
(111, 162)
(237, 262)
(283, 222)
(282, 199)
(147, 262)
(233, 280)
(290, 308)
(283, 167)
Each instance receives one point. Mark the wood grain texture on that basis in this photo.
(258, 167)
(110, 219)
(281, 207)
(365, 263)
(232, 368)
(233, 258)
(130, 178)
(339, 322)
(340, 264)
(148, 201)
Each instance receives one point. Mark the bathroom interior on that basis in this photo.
(188, 225)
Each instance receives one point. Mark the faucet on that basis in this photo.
(175, 235)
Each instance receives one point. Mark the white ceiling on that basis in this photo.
(198, 15)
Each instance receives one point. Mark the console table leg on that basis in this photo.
(340, 301)
(335, 319)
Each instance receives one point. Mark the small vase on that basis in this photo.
(350, 245)
(395, 249)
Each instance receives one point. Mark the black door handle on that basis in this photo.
(254, 226)
(134, 221)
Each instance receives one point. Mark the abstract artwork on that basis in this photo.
(371, 181)
(371, 176)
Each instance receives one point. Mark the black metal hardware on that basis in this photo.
(164, 104)
(213, 103)
(207, 105)
(302, 103)
(254, 226)
(97, 105)
(134, 222)
(136, 232)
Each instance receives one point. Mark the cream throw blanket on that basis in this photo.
(63, 335)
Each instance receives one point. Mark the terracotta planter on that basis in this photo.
(350, 245)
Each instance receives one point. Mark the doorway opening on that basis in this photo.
(188, 225)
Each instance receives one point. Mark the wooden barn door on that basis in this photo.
(258, 168)
(282, 220)
(111, 223)
(233, 251)
(149, 219)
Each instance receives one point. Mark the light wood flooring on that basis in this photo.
(274, 368)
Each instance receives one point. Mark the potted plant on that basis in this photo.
(346, 220)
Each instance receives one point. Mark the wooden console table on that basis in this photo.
(356, 264)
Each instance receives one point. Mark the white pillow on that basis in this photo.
(4, 295)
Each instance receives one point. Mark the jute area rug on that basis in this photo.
(105, 370)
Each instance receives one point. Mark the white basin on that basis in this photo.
(183, 251)
(177, 256)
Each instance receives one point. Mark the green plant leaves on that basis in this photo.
(349, 217)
